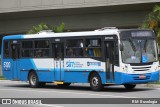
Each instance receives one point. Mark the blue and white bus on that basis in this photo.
(102, 57)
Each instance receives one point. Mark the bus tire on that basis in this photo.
(95, 82)
(64, 85)
(33, 80)
(129, 86)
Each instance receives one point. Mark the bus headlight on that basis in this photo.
(125, 68)
(158, 68)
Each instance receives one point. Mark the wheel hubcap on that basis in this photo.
(33, 79)
(95, 81)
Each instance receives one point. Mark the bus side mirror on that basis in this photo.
(121, 46)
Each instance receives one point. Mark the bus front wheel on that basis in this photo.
(129, 86)
(95, 82)
(33, 80)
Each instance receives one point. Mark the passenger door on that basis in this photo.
(58, 50)
(109, 59)
(15, 53)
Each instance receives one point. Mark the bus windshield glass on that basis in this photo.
(139, 51)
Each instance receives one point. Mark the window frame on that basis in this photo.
(9, 56)
(33, 47)
(49, 48)
(26, 48)
(84, 45)
(101, 46)
(65, 49)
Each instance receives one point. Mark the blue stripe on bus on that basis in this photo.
(13, 37)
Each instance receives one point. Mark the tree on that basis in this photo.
(59, 28)
(44, 26)
(152, 21)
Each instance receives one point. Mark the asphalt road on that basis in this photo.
(15, 89)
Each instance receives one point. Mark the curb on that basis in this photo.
(153, 85)
(150, 85)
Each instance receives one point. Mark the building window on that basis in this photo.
(41, 49)
(6, 49)
(74, 48)
(93, 48)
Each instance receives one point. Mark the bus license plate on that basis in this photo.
(142, 76)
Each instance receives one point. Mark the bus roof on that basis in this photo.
(113, 31)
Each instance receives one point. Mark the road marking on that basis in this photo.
(77, 93)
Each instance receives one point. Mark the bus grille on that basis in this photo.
(140, 68)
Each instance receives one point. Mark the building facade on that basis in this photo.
(18, 16)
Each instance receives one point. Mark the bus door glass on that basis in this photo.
(58, 61)
(15, 52)
(109, 59)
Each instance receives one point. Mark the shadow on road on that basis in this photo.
(83, 88)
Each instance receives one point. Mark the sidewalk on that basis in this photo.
(152, 85)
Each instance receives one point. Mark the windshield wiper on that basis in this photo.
(145, 45)
(132, 45)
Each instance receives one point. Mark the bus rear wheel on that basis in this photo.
(129, 86)
(33, 80)
(95, 82)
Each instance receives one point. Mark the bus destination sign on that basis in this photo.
(141, 34)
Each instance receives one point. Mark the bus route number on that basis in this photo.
(6, 64)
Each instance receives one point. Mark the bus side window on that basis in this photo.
(74, 48)
(15, 51)
(6, 49)
(41, 49)
(93, 47)
(27, 49)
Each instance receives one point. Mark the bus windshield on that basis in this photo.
(139, 51)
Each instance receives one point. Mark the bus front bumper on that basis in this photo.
(122, 78)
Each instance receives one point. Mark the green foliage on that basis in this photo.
(59, 28)
(44, 26)
(152, 21)
(1, 77)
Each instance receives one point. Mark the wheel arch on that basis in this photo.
(31, 70)
(93, 72)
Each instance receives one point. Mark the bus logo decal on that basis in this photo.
(74, 64)
(93, 63)
(70, 64)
